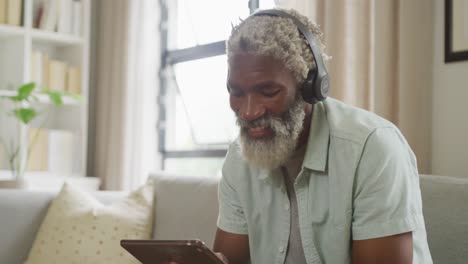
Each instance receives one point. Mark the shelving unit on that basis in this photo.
(8, 31)
(60, 40)
(17, 44)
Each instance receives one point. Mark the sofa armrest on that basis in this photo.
(445, 205)
(21, 215)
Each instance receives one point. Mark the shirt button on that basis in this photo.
(281, 249)
(286, 207)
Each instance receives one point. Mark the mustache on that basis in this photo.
(264, 121)
(280, 125)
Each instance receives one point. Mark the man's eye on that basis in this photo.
(270, 93)
(235, 92)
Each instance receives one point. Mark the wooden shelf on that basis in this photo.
(11, 31)
(44, 99)
(41, 36)
(56, 38)
(7, 92)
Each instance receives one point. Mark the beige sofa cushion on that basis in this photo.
(79, 229)
(186, 207)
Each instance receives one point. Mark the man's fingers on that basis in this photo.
(222, 257)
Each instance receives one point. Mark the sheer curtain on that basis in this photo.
(381, 60)
(126, 87)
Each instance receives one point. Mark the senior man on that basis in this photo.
(310, 179)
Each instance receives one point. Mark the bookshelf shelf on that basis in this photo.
(55, 38)
(48, 50)
(44, 99)
(8, 31)
(7, 93)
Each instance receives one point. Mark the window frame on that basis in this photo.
(171, 57)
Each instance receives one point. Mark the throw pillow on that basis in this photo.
(79, 229)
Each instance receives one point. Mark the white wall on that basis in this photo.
(450, 107)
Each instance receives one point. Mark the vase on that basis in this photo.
(17, 183)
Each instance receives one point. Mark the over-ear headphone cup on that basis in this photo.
(323, 88)
(307, 89)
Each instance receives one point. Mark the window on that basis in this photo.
(196, 124)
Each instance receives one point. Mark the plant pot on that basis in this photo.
(19, 183)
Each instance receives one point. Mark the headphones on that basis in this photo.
(317, 84)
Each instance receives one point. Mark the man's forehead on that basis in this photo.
(242, 60)
(247, 70)
(248, 66)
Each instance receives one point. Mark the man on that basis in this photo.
(310, 183)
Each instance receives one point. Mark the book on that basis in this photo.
(14, 8)
(45, 72)
(38, 14)
(3, 11)
(2, 157)
(77, 17)
(65, 17)
(50, 16)
(61, 151)
(57, 75)
(39, 143)
(73, 80)
(36, 69)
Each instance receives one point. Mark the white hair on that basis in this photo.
(278, 37)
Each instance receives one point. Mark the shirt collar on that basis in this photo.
(316, 155)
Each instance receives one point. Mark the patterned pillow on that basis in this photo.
(79, 229)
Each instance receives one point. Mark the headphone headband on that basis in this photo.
(320, 83)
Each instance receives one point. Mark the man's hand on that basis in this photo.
(222, 257)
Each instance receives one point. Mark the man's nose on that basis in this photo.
(251, 109)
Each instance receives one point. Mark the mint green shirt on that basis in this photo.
(359, 180)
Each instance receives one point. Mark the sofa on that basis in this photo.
(186, 207)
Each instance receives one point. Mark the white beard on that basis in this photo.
(273, 152)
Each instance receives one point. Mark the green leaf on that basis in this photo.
(55, 97)
(15, 98)
(76, 97)
(25, 115)
(26, 90)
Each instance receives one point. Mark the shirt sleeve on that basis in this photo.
(231, 216)
(387, 197)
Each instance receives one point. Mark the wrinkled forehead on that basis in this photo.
(245, 62)
(247, 70)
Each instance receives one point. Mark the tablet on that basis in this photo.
(167, 251)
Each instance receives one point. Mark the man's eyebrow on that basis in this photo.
(266, 84)
(231, 85)
(257, 86)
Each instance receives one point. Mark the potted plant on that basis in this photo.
(24, 113)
